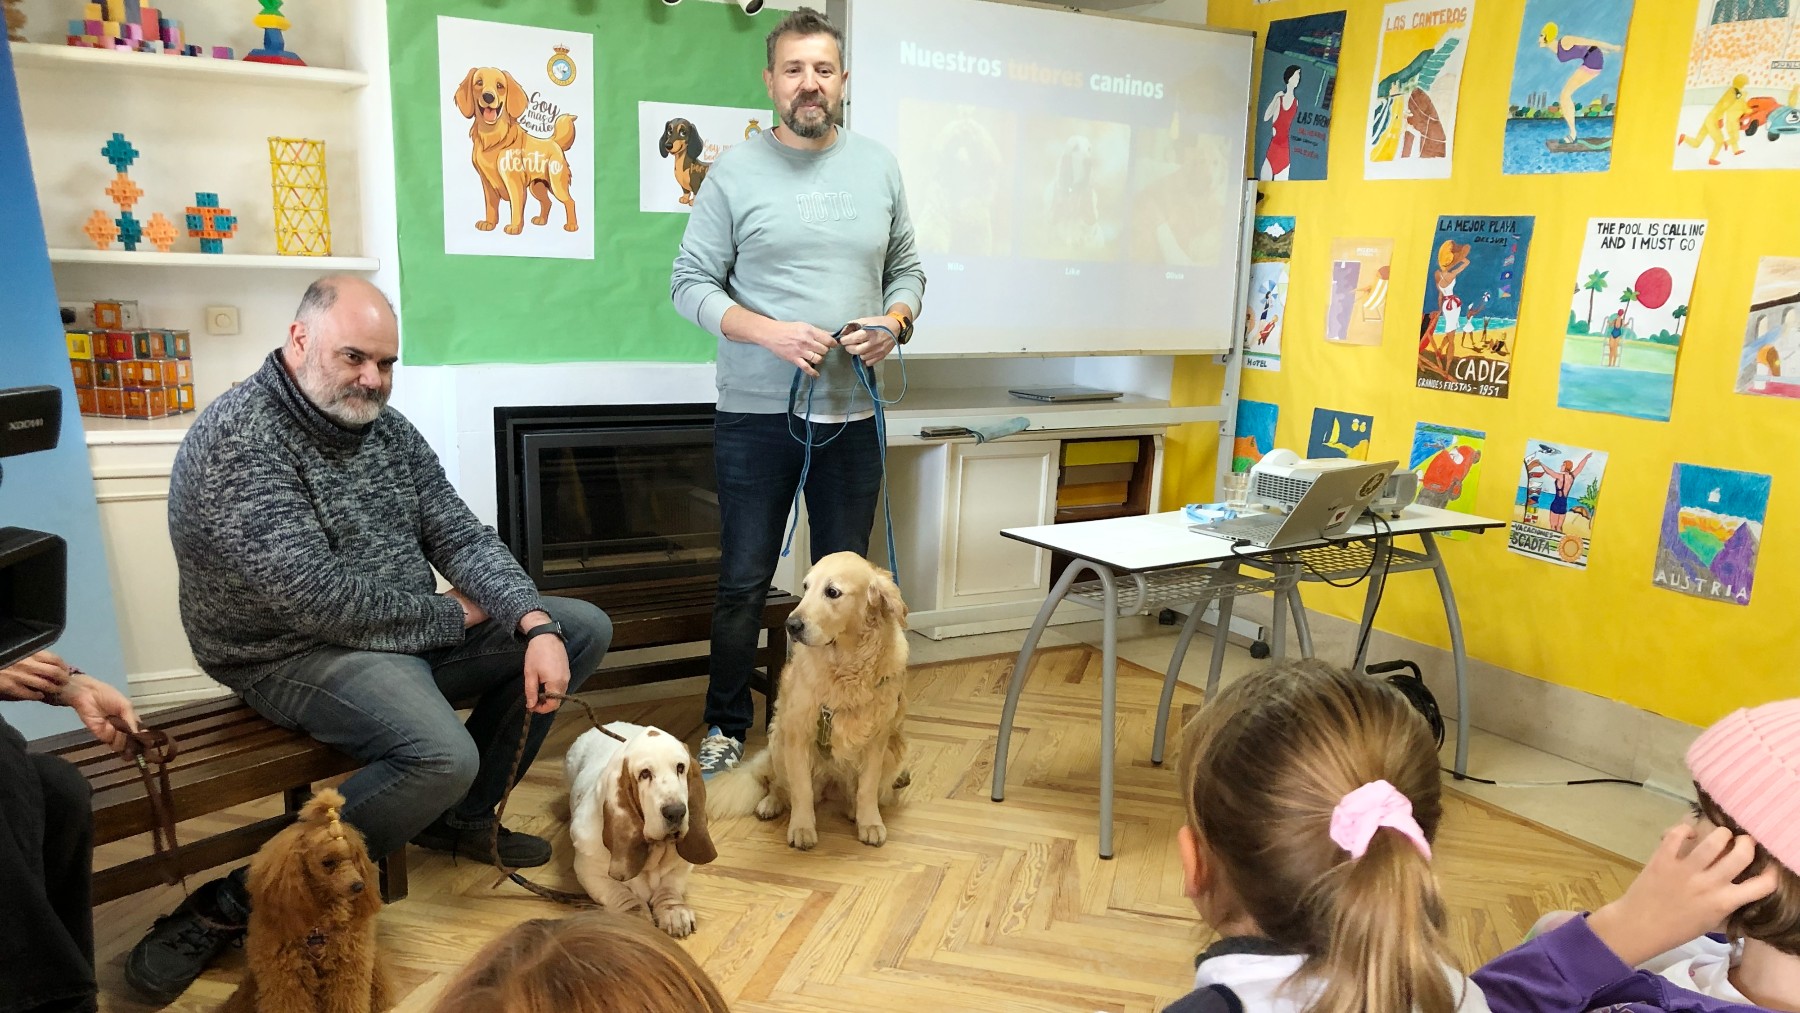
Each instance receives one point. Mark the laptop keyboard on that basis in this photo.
(1256, 529)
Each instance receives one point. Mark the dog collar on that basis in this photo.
(315, 938)
(823, 737)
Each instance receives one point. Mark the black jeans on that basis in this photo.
(758, 461)
(46, 865)
(393, 711)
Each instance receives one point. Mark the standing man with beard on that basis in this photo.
(307, 518)
(799, 234)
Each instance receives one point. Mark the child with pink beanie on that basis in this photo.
(1731, 868)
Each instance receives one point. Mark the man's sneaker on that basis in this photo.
(182, 943)
(517, 851)
(718, 752)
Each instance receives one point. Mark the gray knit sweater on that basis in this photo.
(293, 533)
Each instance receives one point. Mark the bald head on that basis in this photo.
(342, 346)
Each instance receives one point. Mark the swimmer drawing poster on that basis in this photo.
(1360, 273)
(1627, 316)
(1271, 247)
(1411, 130)
(517, 119)
(1565, 86)
(1770, 362)
(1557, 500)
(1471, 317)
(1711, 530)
(1739, 96)
(1299, 81)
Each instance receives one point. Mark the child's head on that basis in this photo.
(591, 963)
(1313, 795)
(1747, 771)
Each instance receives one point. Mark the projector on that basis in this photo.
(1279, 480)
(1401, 489)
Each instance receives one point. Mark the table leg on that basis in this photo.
(1302, 629)
(1459, 652)
(1371, 601)
(1174, 673)
(1023, 665)
(1109, 666)
(1284, 582)
(1220, 633)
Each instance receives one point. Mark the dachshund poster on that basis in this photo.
(677, 143)
(518, 146)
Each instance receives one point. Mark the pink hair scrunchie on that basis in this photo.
(1369, 808)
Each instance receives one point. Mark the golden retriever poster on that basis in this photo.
(677, 143)
(517, 110)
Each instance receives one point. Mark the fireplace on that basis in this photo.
(609, 495)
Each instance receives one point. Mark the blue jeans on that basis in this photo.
(393, 712)
(758, 460)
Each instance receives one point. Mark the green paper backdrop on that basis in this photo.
(616, 306)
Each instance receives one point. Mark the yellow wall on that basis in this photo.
(1605, 630)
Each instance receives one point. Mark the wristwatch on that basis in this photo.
(551, 628)
(904, 334)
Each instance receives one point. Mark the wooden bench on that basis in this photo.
(230, 755)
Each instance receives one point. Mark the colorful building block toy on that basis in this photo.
(210, 223)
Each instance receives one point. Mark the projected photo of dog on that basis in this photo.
(1182, 202)
(958, 162)
(1075, 174)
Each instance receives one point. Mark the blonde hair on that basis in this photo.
(595, 962)
(1548, 35)
(1267, 762)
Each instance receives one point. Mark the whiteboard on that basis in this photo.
(1075, 181)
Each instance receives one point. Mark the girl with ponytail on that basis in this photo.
(1312, 801)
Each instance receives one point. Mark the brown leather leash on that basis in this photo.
(569, 897)
(153, 748)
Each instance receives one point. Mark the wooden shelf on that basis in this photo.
(256, 261)
(193, 68)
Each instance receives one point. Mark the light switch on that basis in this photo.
(221, 320)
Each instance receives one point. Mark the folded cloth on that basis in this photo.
(1000, 430)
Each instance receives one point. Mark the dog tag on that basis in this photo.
(824, 738)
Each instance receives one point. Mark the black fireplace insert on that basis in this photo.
(608, 494)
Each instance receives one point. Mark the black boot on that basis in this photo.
(184, 942)
(517, 851)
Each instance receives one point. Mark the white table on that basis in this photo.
(1155, 561)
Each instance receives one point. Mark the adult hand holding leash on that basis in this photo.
(798, 343)
(546, 665)
(870, 339)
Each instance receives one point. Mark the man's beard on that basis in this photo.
(349, 405)
(811, 129)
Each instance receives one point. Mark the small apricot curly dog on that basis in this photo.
(313, 901)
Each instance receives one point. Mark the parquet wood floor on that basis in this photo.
(971, 905)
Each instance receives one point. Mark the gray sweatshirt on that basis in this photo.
(817, 236)
(293, 533)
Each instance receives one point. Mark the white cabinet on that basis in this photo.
(990, 487)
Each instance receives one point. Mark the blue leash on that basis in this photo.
(865, 378)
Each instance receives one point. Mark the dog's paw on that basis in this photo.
(571, 228)
(539, 219)
(903, 780)
(804, 838)
(485, 226)
(676, 919)
(513, 230)
(768, 808)
(872, 834)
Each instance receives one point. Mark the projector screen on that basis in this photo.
(1076, 182)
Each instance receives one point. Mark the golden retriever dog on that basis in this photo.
(681, 139)
(637, 815)
(510, 160)
(313, 901)
(841, 706)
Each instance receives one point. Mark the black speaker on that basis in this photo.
(1406, 677)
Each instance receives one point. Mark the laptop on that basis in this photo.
(1333, 502)
(1065, 395)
